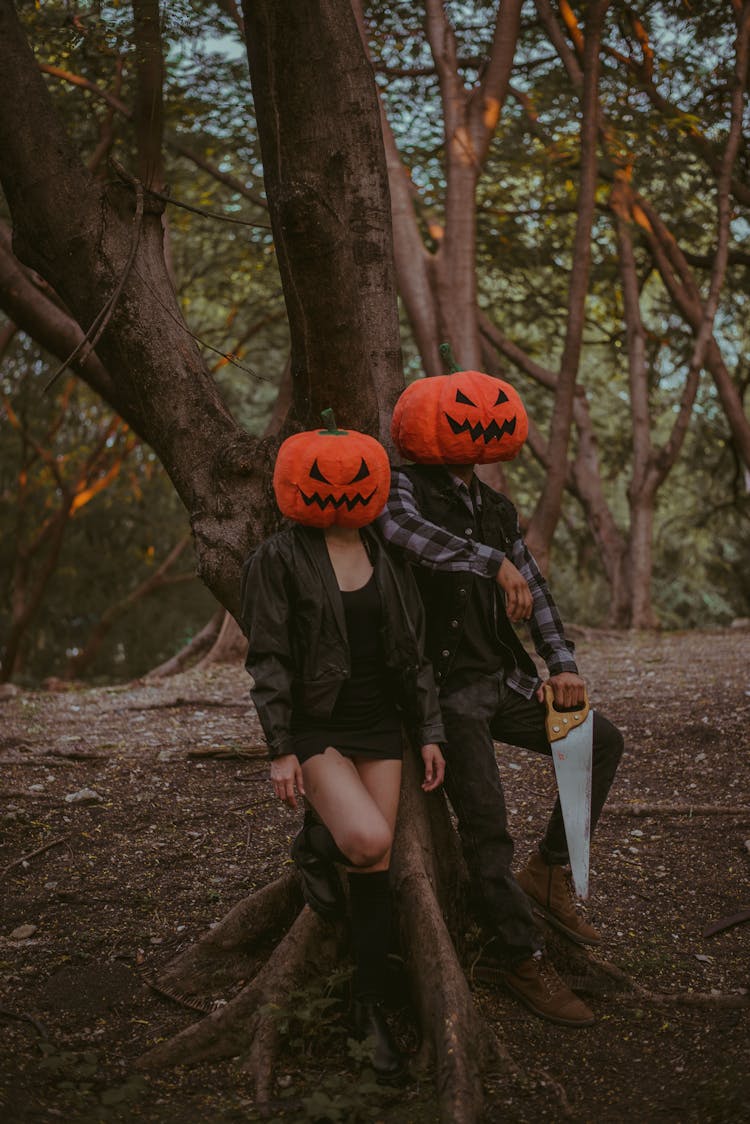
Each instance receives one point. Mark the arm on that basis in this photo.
(403, 525)
(546, 626)
(429, 719)
(265, 622)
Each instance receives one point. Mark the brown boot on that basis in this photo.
(550, 889)
(536, 983)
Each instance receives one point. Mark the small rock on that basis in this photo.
(740, 622)
(36, 788)
(83, 796)
(9, 690)
(23, 932)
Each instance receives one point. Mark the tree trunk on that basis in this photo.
(101, 248)
(640, 560)
(326, 181)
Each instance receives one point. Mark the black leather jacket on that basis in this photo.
(298, 654)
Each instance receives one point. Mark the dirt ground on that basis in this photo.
(179, 824)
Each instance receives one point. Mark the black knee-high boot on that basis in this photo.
(320, 841)
(370, 902)
(315, 853)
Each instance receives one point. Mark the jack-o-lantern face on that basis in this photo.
(464, 418)
(331, 476)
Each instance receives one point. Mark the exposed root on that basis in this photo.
(566, 1109)
(309, 946)
(675, 998)
(224, 954)
(454, 1034)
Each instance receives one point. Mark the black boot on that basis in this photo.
(387, 1060)
(321, 885)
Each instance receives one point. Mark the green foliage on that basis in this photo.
(228, 284)
(111, 544)
(311, 1026)
(81, 1085)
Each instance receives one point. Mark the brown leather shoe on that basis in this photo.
(538, 986)
(551, 891)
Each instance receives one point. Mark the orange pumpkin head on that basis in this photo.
(464, 418)
(326, 476)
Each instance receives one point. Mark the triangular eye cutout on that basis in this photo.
(464, 400)
(316, 474)
(363, 472)
(501, 397)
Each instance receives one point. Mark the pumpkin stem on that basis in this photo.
(330, 421)
(450, 362)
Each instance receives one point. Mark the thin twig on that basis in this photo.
(209, 347)
(205, 214)
(41, 1030)
(93, 335)
(31, 854)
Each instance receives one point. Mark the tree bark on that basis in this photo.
(547, 511)
(326, 182)
(80, 236)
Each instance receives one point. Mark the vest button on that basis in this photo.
(462, 592)
(445, 653)
(454, 624)
(469, 531)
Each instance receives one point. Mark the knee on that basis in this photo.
(367, 845)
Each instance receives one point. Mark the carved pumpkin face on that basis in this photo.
(464, 418)
(327, 476)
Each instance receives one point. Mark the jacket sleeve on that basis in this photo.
(265, 622)
(427, 725)
(546, 625)
(426, 544)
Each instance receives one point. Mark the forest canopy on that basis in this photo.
(570, 210)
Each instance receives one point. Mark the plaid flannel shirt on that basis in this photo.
(427, 544)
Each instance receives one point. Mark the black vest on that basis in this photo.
(446, 594)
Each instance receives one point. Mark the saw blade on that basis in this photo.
(571, 756)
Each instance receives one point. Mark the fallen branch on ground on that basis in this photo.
(32, 854)
(638, 809)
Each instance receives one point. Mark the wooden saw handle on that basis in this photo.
(558, 723)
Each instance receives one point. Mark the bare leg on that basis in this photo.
(357, 801)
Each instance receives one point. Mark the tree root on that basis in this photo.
(225, 953)
(246, 1024)
(453, 1033)
(661, 999)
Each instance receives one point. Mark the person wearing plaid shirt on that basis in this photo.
(478, 578)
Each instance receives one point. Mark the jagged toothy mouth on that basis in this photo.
(330, 501)
(491, 432)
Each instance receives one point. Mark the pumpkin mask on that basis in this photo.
(327, 476)
(464, 418)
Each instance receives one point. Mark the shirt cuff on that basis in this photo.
(562, 661)
(489, 560)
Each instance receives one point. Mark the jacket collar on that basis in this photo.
(313, 542)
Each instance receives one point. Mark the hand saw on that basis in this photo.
(570, 734)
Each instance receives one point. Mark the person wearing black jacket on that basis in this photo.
(335, 632)
(478, 580)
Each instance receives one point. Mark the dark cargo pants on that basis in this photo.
(474, 716)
